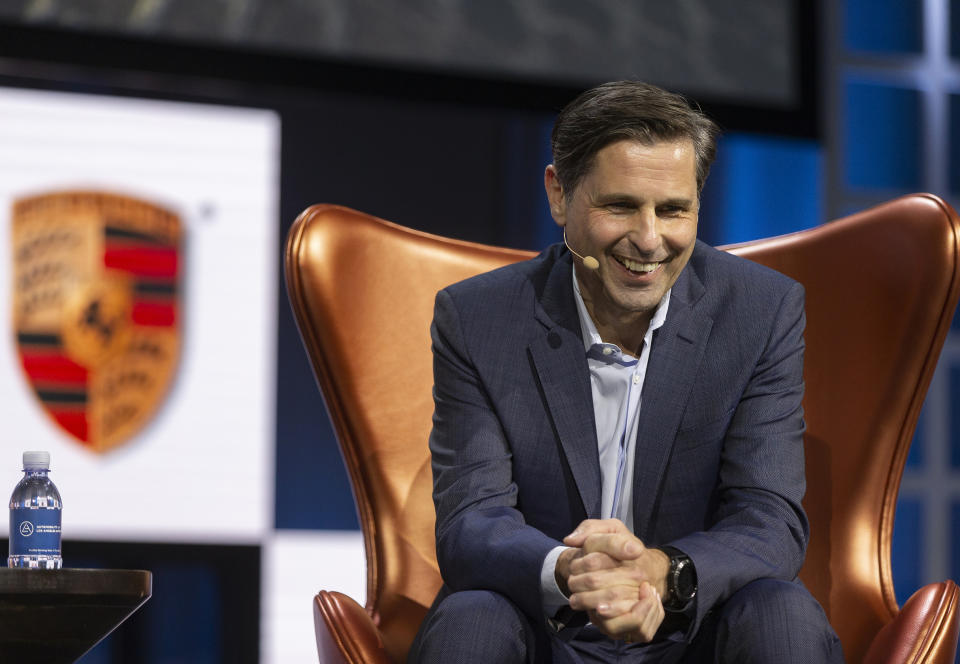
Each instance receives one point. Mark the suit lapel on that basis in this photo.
(561, 366)
(675, 356)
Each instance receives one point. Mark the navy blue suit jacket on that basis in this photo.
(719, 453)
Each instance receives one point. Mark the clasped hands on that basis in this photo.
(619, 582)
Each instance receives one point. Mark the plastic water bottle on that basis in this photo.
(35, 511)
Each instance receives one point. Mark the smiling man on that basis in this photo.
(636, 211)
(618, 432)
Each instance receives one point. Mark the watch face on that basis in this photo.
(686, 580)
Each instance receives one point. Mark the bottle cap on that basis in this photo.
(36, 460)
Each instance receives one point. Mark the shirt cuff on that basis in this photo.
(550, 593)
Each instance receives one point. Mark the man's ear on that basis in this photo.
(558, 205)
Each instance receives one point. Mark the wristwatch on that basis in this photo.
(681, 580)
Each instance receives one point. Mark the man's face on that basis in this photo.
(636, 212)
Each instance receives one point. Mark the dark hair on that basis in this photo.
(627, 110)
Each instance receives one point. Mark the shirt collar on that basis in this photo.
(591, 338)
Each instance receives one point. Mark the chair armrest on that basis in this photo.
(345, 632)
(925, 631)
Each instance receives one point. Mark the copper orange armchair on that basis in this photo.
(881, 286)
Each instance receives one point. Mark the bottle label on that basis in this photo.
(34, 532)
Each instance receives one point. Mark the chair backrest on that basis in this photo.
(881, 288)
(362, 291)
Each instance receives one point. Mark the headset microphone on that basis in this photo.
(589, 262)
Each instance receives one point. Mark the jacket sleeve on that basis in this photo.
(758, 528)
(483, 541)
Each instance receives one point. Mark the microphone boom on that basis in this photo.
(589, 262)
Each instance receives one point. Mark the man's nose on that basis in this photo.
(645, 233)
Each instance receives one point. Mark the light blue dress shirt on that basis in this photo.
(616, 383)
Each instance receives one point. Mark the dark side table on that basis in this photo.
(54, 616)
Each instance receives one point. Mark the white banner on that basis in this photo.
(202, 468)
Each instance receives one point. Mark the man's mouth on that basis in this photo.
(637, 266)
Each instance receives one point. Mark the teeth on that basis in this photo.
(636, 266)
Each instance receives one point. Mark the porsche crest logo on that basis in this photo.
(96, 309)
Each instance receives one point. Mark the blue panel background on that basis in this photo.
(882, 140)
(198, 637)
(955, 28)
(907, 547)
(526, 210)
(917, 456)
(954, 124)
(761, 186)
(312, 489)
(886, 26)
(954, 398)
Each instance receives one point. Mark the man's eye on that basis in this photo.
(671, 211)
